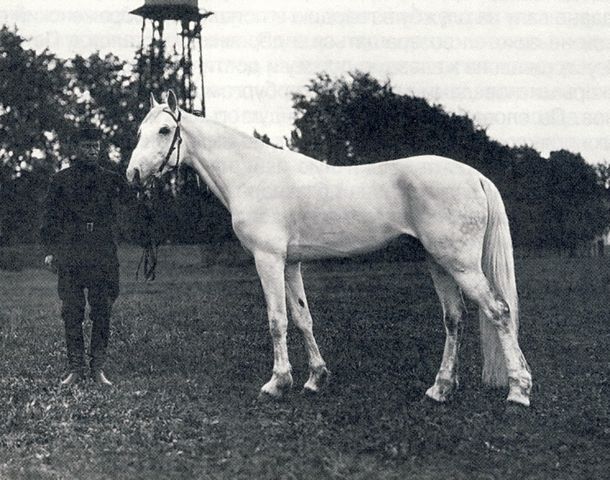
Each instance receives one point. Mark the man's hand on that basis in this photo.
(49, 262)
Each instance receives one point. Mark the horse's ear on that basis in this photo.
(153, 100)
(172, 101)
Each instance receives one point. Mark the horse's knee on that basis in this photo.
(278, 323)
(277, 330)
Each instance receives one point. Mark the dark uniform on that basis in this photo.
(78, 230)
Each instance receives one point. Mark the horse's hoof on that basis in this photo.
(264, 397)
(514, 409)
(318, 381)
(309, 392)
(521, 401)
(433, 393)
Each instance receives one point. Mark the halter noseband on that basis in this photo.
(176, 142)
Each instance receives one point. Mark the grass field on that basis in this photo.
(190, 351)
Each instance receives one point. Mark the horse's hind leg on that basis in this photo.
(318, 373)
(495, 310)
(446, 381)
(270, 270)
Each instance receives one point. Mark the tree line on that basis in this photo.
(558, 202)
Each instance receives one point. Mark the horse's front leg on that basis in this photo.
(270, 268)
(318, 373)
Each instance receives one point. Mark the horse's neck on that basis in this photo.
(223, 158)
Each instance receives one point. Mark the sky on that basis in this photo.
(533, 72)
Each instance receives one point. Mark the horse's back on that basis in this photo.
(322, 210)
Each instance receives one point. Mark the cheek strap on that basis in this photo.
(176, 142)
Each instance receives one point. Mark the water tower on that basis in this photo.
(190, 17)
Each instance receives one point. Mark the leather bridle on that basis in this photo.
(148, 260)
(176, 142)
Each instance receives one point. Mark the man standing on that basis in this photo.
(78, 237)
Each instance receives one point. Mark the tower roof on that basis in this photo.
(171, 10)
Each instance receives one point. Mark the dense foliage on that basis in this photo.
(559, 202)
(44, 100)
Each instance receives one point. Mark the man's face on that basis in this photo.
(89, 151)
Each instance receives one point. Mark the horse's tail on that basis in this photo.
(499, 268)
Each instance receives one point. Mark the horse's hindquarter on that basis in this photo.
(448, 208)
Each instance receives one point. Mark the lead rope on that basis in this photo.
(150, 242)
(149, 260)
(149, 237)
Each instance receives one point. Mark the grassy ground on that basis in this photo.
(190, 351)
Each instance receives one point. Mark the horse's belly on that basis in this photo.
(341, 242)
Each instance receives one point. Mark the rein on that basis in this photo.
(150, 239)
(176, 142)
(149, 236)
(148, 259)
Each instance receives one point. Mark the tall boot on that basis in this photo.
(72, 315)
(100, 332)
(73, 323)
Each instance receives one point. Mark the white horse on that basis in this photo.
(287, 208)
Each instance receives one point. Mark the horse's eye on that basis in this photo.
(164, 130)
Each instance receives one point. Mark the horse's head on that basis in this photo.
(159, 139)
